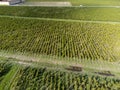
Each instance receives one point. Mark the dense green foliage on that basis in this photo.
(4, 69)
(64, 39)
(75, 13)
(36, 78)
(56, 80)
(87, 2)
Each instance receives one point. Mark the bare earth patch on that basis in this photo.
(48, 4)
(75, 68)
(105, 73)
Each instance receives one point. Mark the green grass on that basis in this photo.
(86, 2)
(93, 14)
(91, 41)
(5, 67)
(5, 83)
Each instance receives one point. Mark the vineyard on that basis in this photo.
(62, 39)
(72, 13)
(42, 78)
(60, 48)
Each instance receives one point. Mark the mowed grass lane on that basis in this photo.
(74, 13)
(83, 2)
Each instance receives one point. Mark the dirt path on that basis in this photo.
(98, 65)
(98, 6)
(29, 58)
(63, 4)
(50, 4)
